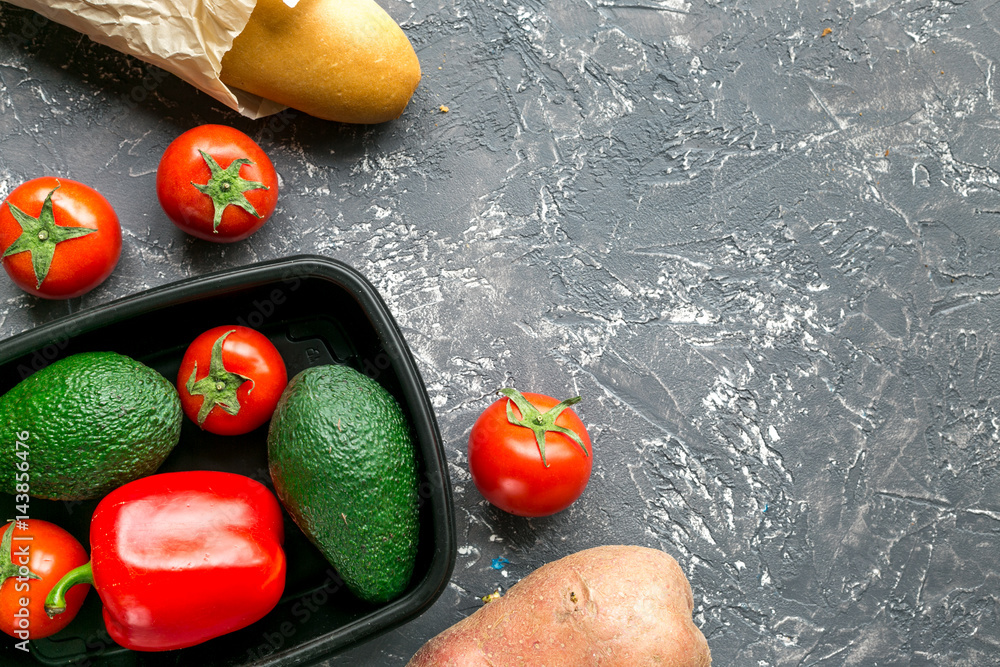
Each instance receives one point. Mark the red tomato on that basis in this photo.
(230, 380)
(216, 183)
(523, 456)
(61, 238)
(51, 553)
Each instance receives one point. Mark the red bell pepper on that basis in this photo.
(179, 558)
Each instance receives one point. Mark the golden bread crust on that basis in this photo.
(340, 60)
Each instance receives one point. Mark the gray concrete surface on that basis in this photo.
(758, 237)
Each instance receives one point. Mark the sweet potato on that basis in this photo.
(612, 606)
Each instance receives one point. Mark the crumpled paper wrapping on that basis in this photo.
(184, 37)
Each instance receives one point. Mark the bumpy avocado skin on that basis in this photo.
(93, 420)
(343, 464)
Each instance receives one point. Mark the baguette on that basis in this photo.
(341, 60)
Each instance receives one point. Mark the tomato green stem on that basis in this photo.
(219, 387)
(540, 422)
(226, 187)
(55, 601)
(40, 236)
(8, 568)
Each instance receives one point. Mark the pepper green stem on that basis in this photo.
(55, 601)
(540, 423)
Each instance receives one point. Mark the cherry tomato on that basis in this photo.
(230, 380)
(216, 183)
(530, 454)
(34, 555)
(60, 238)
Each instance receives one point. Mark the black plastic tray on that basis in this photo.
(316, 311)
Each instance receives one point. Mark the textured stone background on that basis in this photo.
(758, 237)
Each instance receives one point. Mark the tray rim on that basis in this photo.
(397, 612)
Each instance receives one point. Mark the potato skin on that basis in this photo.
(340, 60)
(612, 606)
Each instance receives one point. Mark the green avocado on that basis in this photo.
(85, 425)
(343, 465)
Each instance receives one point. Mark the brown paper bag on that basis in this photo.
(184, 37)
